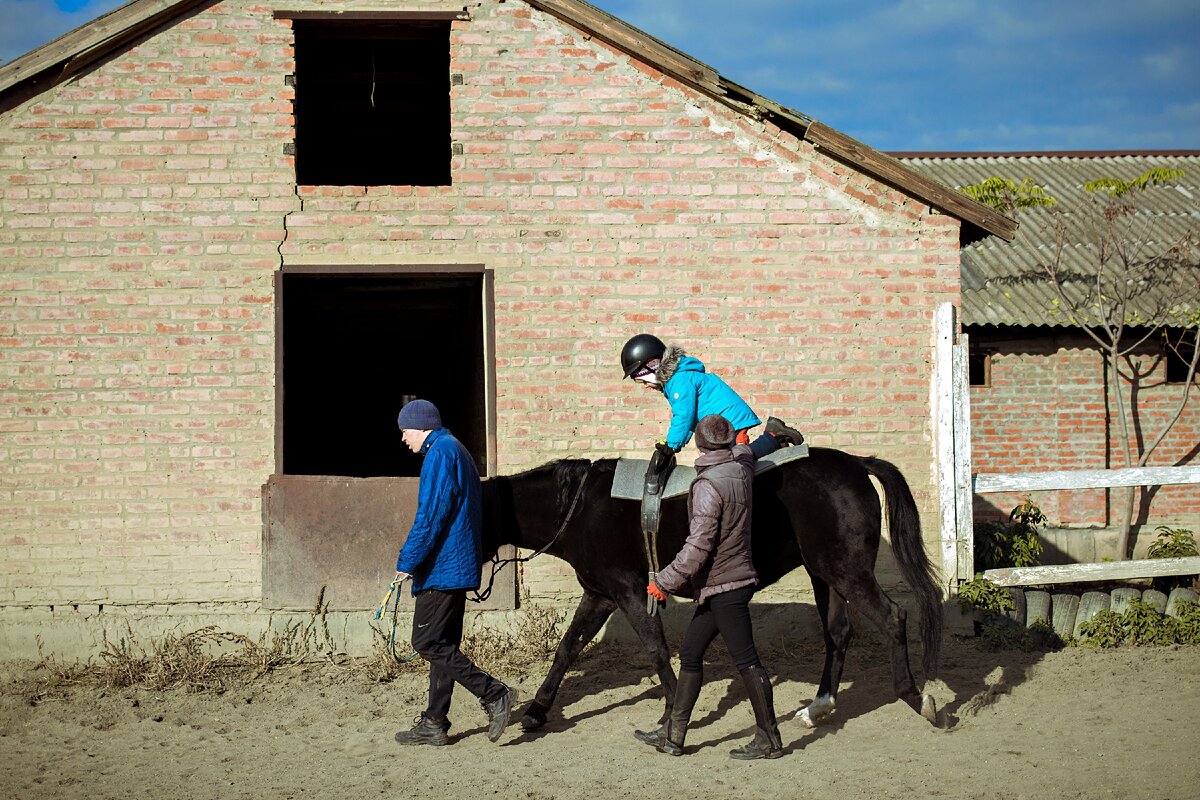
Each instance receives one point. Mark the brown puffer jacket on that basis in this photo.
(716, 556)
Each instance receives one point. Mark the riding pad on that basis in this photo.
(629, 480)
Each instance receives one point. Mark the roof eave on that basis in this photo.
(978, 220)
(55, 61)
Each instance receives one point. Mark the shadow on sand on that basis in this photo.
(971, 677)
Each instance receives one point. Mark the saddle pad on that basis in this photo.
(629, 480)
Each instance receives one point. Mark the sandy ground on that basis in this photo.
(1070, 724)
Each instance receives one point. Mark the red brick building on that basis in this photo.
(235, 235)
(1041, 395)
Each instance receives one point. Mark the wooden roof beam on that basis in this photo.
(892, 172)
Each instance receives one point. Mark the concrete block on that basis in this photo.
(1017, 614)
(1037, 607)
(1091, 604)
(1155, 599)
(1121, 597)
(1064, 609)
(1178, 595)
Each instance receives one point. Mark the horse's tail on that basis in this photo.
(904, 526)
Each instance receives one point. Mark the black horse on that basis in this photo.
(821, 512)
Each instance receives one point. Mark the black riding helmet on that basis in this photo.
(639, 350)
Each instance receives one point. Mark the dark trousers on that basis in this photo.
(764, 444)
(728, 614)
(436, 636)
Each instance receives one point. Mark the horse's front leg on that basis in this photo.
(589, 617)
(650, 633)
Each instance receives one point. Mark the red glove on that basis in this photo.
(655, 592)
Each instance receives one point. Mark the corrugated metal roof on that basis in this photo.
(992, 291)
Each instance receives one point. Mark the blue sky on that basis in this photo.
(905, 75)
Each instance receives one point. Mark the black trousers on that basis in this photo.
(728, 614)
(436, 636)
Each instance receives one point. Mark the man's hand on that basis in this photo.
(655, 592)
(400, 578)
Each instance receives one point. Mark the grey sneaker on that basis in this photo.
(426, 731)
(498, 712)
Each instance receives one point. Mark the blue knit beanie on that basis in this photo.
(419, 415)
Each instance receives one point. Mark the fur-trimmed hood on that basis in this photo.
(694, 393)
(671, 359)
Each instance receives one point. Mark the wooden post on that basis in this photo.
(964, 495)
(943, 409)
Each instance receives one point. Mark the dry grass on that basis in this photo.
(532, 640)
(214, 661)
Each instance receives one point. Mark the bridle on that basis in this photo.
(500, 563)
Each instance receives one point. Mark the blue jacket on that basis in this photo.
(694, 394)
(443, 549)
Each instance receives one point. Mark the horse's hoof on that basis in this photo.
(533, 718)
(929, 709)
(816, 712)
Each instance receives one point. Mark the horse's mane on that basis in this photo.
(567, 474)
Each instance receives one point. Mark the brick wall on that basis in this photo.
(146, 206)
(1049, 407)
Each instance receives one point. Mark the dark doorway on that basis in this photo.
(355, 346)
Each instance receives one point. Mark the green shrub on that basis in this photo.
(1172, 543)
(1141, 624)
(1010, 544)
(1002, 633)
(980, 593)
(991, 604)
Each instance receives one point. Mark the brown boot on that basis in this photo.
(785, 435)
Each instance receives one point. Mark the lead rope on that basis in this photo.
(394, 592)
(500, 563)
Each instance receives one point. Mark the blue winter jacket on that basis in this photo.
(444, 549)
(694, 394)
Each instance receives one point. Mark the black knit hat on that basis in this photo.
(714, 433)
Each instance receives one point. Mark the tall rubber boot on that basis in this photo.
(766, 742)
(669, 738)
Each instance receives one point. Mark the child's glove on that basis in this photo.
(660, 458)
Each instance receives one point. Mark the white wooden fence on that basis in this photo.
(957, 488)
(952, 423)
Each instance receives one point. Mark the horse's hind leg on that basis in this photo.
(837, 631)
(593, 611)
(891, 619)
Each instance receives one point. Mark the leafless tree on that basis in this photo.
(1127, 289)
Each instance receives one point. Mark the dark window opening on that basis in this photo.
(979, 369)
(372, 102)
(1177, 367)
(356, 346)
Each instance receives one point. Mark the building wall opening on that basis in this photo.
(356, 346)
(372, 102)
